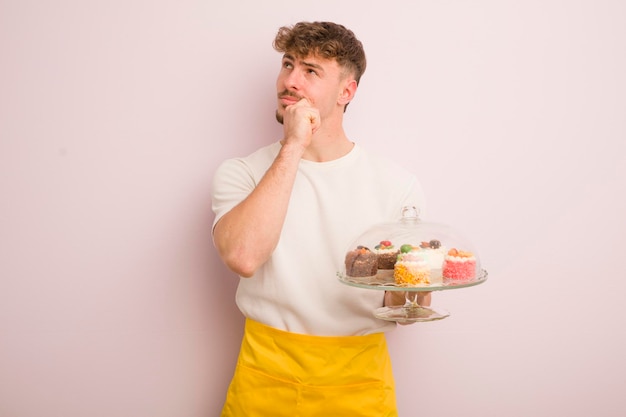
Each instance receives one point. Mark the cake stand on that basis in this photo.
(411, 311)
(430, 242)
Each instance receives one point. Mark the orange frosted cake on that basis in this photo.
(411, 268)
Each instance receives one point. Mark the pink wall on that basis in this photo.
(114, 115)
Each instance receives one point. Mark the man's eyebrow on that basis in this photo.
(305, 63)
(312, 65)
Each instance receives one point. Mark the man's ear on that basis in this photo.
(348, 92)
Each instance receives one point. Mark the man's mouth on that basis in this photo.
(287, 98)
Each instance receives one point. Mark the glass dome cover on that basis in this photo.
(412, 255)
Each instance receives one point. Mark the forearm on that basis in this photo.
(247, 235)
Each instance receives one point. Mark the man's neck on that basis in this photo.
(328, 146)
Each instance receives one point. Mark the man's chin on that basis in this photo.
(279, 117)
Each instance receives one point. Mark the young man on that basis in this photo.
(284, 218)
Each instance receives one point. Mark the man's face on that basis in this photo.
(318, 80)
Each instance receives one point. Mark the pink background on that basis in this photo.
(115, 114)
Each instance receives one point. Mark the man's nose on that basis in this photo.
(294, 80)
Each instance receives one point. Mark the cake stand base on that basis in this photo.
(410, 314)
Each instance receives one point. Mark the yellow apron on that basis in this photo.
(294, 375)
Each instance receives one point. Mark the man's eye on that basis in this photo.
(312, 71)
(287, 65)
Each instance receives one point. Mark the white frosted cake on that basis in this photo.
(434, 254)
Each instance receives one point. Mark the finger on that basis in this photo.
(314, 118)
(303, 102)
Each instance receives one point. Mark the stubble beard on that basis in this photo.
(279, 117)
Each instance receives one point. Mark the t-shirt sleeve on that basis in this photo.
(232, 182)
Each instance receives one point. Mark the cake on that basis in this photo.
(361, 262)
(434, 253)
(411, 268)
(387, 254)
(459, 266)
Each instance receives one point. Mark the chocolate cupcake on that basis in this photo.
(361, 262)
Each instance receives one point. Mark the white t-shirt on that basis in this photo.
(331, 205)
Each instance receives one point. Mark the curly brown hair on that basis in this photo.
(324, 39)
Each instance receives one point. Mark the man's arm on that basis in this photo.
(246, 236)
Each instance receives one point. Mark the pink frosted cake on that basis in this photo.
(411, 268)
(459, 266)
